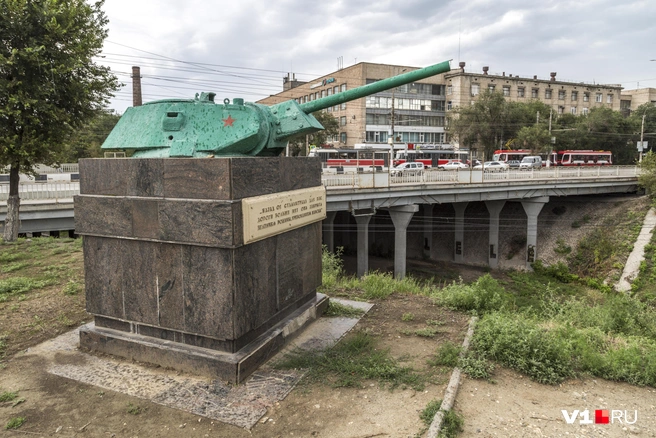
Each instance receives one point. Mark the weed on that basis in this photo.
(434, 322)
(451, 424)
(476, 367)
(7, 257)
(447, 355)
(561, 247)
(408, 317)
(483, 295)
(339, 309)
(8, 396)
(332, 269)
(429, 412)
(352, 361)
(15, 423)
(427, 332)
(12, 267)
(17, 402)
(72, 288)
(3, 345)
(65, 320)
(134, 409)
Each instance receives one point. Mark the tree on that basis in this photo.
(647, 178)
(331, 129)
(534, 137)
(49, 85)
(86, 142)
(493, 123)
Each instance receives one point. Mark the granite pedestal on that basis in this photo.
(169, 277)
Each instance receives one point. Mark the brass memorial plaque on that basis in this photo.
(268, 215)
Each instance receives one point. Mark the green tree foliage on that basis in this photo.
(49, 84)
(534, 137)
(493, 123)
(331, 128)
(647, 178)
(86, 142)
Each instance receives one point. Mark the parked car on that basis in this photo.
(493, 166)
(513, 164)
(408, 169)
(453, 165)
(531, 162)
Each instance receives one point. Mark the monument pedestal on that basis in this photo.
(203, 265)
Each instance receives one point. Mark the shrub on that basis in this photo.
(447, 355)
(483, 295)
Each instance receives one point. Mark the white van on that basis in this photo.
(408, 169)
(531, 162)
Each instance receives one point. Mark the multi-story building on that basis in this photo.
(416, 112)
(632, 99)
(462, 88)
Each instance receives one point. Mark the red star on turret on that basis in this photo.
(229, 121)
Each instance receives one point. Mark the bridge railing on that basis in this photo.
(43, 191)
(364, 180)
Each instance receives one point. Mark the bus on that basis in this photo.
(351, 158)
(585, 158)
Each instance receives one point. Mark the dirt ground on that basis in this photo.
(511, 406)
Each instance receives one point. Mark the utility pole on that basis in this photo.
(136, 86)
(552, 140)
(642, 136)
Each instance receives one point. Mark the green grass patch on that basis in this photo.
(134, 409)
(72, 288)
(8, 396)
(351, 362)
(12, 267)
(446, 355)
(407, 317)
(483, 295)
(429, 412)
(21, 285)
(338, 309)
(15, 423)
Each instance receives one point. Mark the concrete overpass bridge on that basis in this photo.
(354, 199)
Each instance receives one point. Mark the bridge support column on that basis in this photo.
(428, 229)
(329, 230)
(363, 242)
(458, 255)
(494, 208)
(532, 207)
(401, 218)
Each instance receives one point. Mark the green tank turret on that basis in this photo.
(200, 127)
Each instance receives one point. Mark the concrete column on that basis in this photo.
(494, 208)
(428, 229)
(532, 207)
(329, 230)
(363, 243)
(401, 218)
(459, 248)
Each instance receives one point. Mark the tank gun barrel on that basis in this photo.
(376, 87)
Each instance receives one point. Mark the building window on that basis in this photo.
(329, 92)
(584, 111)
(475, 89)
(573, 110)
(342, 137)
(609, 98)
(586, 97)
(575, 96)
(342, 88)
(561, 110)
(506, 90)
(598, 97)
(449, 105)
(547, 93)
(561, 94)
(342, 121)
(491, 87)
(520, 91)
(335, 90)
(534, 93)
(449, 90)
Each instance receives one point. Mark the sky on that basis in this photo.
(244, 48)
